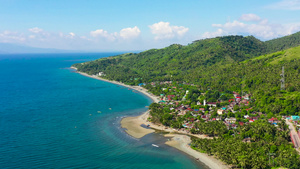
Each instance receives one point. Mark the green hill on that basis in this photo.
(283, 43)
(233, 63)
(176, 61)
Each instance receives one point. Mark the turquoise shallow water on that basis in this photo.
(49, 118)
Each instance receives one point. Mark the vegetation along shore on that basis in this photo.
(237, 95)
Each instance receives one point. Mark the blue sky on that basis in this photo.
(119, 25)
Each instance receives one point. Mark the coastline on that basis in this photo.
(181, 142)
(137, 88)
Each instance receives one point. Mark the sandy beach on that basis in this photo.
(179, 139)
(181, 142)
(133, 126)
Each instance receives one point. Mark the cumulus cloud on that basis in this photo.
(35, 30)
(286, 5)
(262, 29)
(163, 30)
(250, 17)
(128, 33)
(219, 32)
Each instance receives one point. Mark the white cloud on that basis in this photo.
(72, 34)
(163, 30)
(250, 17)
(126, 33)
(286, 5)
(262, 29)
(104, 34)
(12, 37)
(129, 33)
(219, 32)
(35, 30)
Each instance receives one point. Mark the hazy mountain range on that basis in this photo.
(8, 48)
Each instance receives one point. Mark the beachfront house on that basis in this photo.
(101, 74)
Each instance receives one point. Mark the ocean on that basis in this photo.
(52, 117)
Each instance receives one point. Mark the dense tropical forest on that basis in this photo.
(211, 69)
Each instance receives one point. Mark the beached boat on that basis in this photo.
(154, 145)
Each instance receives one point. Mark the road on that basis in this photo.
(294, 135)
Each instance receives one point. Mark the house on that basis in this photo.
(241, 123)
(162, 101)
(233, 126)
(272, 120)
(218, 118)
(142, 84)
(204, 117)
(214, 104)
(202, 109)
(198, 103)
(295, 118)
(230, 120)
(220, 111)
(189, 109)
(101, 74)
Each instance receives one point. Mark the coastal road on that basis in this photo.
(294, 135)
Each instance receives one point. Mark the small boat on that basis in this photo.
(154, 145)
(109, 108)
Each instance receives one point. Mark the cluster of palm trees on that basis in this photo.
(213, 128)
(269, 147)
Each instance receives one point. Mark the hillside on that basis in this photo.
(176, 60)
(231, 63)
(283, 43)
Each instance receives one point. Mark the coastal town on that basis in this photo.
(186, 102)
(216, 125)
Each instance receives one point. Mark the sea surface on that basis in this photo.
(52, 117)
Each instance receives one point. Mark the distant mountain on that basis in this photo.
(6, 48)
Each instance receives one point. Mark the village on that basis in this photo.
(187, 102)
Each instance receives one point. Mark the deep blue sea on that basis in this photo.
(49, 119)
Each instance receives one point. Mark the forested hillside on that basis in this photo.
(233, 63)
(283, 43)
(176, 60)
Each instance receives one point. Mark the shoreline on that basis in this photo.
(179, 139)
(137, 88)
